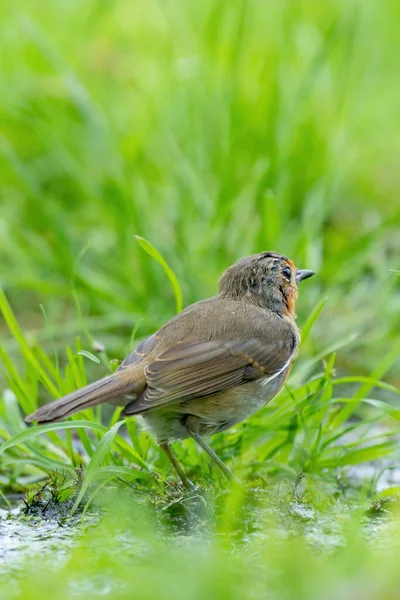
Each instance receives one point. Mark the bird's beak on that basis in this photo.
(303, 274)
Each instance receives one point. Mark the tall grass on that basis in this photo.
(204, 131)
(213, 130)
(305, 431)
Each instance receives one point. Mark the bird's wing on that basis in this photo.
(193, 370)
(139, 353)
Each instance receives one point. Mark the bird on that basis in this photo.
(212, 365)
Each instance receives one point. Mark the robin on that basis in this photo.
(212, 365)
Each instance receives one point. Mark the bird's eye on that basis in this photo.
(286, 272)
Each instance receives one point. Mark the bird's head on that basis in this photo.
(267, 279)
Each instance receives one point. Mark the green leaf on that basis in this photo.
(27, 352)
(383, 366)
(307, 366)
(36, 430)
(367, 386)
(389, 409)
(391, 491)
(118, 471)
(17, 383)
(154, 253)
(94, 464)
(42, 462)
(370, 380)
(360, 455)
(312, 319)
(88, 355)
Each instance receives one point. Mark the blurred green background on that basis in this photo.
(213, 129)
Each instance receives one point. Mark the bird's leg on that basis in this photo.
(212, 454)
(168, 451)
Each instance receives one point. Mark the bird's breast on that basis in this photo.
(227, 408)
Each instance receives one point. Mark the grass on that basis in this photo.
(240, 555)
(305, 431)
(144, 147)
(198, 130)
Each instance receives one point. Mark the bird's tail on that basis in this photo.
(104, 390)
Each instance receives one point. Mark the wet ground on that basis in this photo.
(23, 537)
(53, 532)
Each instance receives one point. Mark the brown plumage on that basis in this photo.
(212, 365)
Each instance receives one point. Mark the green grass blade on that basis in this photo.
(103, 447)
(312, 319)
(359, 456)
(89, 355)
(154, 253)
(17, 384)
(27, 352)
(367, 386)
(36, 430)
(369, 380)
